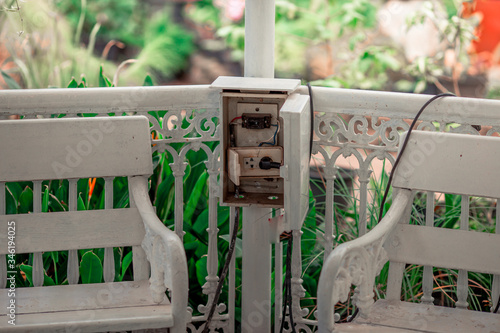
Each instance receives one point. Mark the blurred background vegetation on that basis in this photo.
(413, 46)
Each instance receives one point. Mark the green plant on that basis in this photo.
(45, 55)
(165, 48)
(120, 19)
(455, 35)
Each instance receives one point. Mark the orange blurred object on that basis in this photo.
(487, 45)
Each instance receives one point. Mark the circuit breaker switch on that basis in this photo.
(256, 120)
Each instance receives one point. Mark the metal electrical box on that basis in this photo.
(265, 143)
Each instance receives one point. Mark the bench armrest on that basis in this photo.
(357, 262)
(166, 254)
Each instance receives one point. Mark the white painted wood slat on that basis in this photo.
(73, 266)
(77, 149)
(329, 214)
(38, 271)
(103, 320)
(81, 297)
(397, 269)
(495, 289)
(462, 281)
(140, 264)
(109, 259)
(89, 229)
(435, 161)
(3, 261)
(429, 318)
(428, 277)
(445, 248)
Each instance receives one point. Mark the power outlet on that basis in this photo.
(250, 163)
(246, 161)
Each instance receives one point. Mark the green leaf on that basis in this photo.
(11, 83)
(103, 80)
(127, 260)
(222, 215)
(420, 86)
(81, 204)
(11, 204)
(45, 200)
(201, 270)
(164, 197)
(73, 83)
(91, 268)
(26, 201)
(195, 196)
(15, 189)
(55, 205)
(201, 223)
(148, 81)
(238, 246)
(28, 271)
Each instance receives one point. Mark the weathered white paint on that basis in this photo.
(442, 158)
(433, 162)
(76, 148)
(256, 277)
(104, 306)
(259, 38)
(296, 115)
(256, 290)
(122, 227)
(440, 247)
(411, 317)
(255, 84)
(73, 263)
(356, 262)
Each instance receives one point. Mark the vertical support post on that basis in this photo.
(428, 278)
(259, 38)
(256, 279)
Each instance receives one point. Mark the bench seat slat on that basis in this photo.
(117, 319)
(404, 316)
(80, 297)
(89, 229)
(447, 248)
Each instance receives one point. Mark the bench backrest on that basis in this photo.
(446, 163)
(74, 148)
(450, 163)
(43, 149)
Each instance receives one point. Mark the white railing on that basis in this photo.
(363, 124)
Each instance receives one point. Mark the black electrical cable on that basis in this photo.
(498, 305)
(398, 158)
(403, 147)
(225, 269)
(288, 287)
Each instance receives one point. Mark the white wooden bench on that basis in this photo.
(436, 162)
(71, 148)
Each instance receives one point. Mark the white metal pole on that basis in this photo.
(259, 38)
(256, 279)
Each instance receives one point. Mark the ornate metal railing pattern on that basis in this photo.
(363, 124)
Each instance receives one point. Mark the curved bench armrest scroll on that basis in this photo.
(357, 262)
(166, 254)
